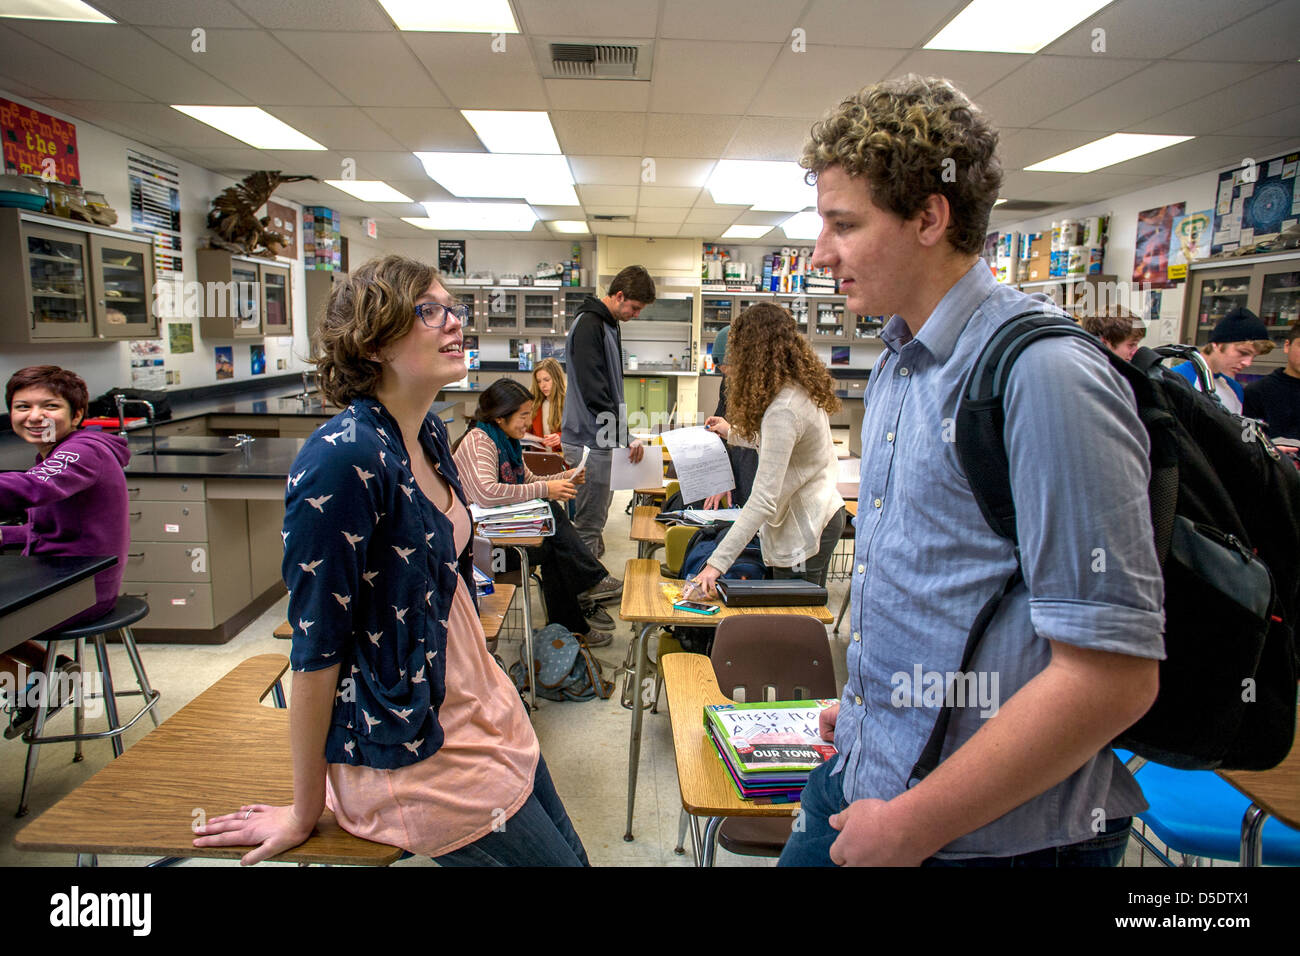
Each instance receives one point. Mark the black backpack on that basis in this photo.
(1231, 562)
(748, 566)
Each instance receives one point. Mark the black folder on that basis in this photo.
(791, 592)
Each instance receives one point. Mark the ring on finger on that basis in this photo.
(249, 813)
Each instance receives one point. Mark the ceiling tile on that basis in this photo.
(106, 116)
(810, 83)
(607, 196)
(718, 215)
(611, 228)
(598, 133)
(598, 94)
(880, 23)
(552, 213)
(1156, 89)
(21, 87)
(669, 197)
(317, 15)
(769, 137)
(1048, 84)
(370, 69)
(1284, 122)
(130, 57)
(1088, 187)
(623, 172)
(1269, 35)
(751, 217)
(422, 190)
(657, 229)
(427, 130)
(164, 125)
(771, 20)
(254, 64)
(689, 136)
(583, 19)
(176, 13)
(472, 76)
(1258, 95)
(337, 127)
(681, 172)
(1140, 28)
(388, 166)
(231, 159)
(659, 214)
(1204, 152)
(972, 73)
(696, 76)
(1024, 147)
(58, 74)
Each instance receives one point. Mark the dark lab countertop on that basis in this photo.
(25, 580)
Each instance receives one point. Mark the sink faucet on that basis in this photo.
(245, 442)
(305, 397)
(122, 402)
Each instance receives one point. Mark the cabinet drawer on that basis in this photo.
(174, 605)
(164, 489)
(167, 521)
(178, 562)
(194, 427)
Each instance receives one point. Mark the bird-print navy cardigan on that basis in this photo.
(371, 568)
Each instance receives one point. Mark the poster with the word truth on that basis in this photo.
(1151, 251)
(31, 137)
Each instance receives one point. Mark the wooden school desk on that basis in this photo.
(492, 608)
(1272, 793)
(521, 546)
(222, 750)
(644, 603)
(646, 531)
(702, 777)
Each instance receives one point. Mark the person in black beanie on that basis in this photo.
(1233, 345)
(1276, 398)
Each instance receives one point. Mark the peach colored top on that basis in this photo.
(482, 774)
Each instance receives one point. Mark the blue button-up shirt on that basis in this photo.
(371, 567)
(925, 560)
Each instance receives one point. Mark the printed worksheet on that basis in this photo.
(700, 458)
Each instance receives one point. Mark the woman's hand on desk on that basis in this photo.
(560, 489)
(270, 830)
(718, 425)
(706, 579)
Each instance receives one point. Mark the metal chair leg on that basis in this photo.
(1252, 832)
(33, 750)
(682, 823)
(710, 839)
(110, 700)
(844, 607)
(150, 695)
(78, 715)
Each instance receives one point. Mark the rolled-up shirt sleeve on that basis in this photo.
(1079, 466)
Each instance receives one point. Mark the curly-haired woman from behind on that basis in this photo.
(781, 401)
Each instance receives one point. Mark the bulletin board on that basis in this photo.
(1245, 211)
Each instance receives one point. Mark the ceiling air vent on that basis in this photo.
(612, 218)
(595, 61)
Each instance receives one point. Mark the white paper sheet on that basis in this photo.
(849, 470)
(701, 462)
(647, 473)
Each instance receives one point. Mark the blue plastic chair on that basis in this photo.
(1198, 813)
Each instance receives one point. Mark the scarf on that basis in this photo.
(510, 453)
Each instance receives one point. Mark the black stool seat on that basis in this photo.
(126, 612)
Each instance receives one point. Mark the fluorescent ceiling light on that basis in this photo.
(252, 125)
(746, 232)
(804, 225)
(370, 190)
(761, 185)
(540, 180)
(1012, 26)
(1107, 151)
(71, 10)
(452, 16)
(576, 227)
(513, 131)
(479, 217)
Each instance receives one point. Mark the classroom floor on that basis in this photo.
(585, 744)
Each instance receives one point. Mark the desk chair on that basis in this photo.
(790, 656)
(1199, 815)
(118, 621)
(545, 463)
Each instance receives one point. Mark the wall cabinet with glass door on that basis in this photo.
(826, 321)
(60, 281)
(276, 300)
(243, 297)
(1267, 285)
(716, 313)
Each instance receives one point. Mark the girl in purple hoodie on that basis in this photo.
(75, 494)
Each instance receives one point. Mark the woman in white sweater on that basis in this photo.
(780, 401)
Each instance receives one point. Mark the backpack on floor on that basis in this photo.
(748, 566)
(565, 667)
(1225, 508)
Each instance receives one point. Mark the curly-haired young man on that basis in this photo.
(906, 176)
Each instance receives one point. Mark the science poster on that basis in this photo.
(225, 362)
(1151, 250)
(1191, 241)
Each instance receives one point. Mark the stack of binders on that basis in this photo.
(769, 747)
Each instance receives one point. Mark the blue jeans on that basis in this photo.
(810, 844)
(539, 834)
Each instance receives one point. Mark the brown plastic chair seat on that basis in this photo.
(754, 836)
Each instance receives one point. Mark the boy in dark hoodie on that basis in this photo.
(75, 494)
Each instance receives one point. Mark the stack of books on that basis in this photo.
(769, 747)
(698, 517)
(526, 519)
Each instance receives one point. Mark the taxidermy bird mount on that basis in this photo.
(233, 217)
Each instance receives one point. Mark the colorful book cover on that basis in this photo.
(771, 736)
